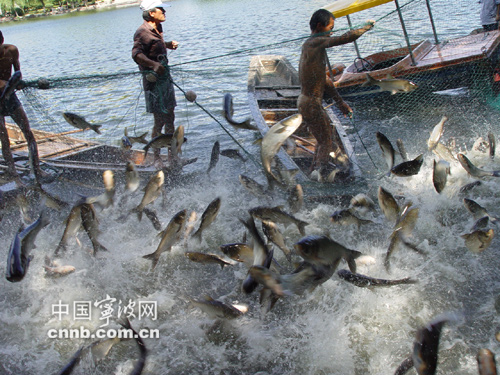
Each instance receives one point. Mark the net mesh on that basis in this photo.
(471, 104)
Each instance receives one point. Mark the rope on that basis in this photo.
(250, 156)
(351, 118)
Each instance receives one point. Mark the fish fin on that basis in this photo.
(351, 259)
(96, 128)
(142, 138)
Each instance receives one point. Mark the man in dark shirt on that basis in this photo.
(150, 53)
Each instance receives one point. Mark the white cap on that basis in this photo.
(151, 4)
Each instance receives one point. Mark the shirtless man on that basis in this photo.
(9, 58)
(313, 81)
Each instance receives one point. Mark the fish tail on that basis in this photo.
(370, 81)
(142, 138)
(96, 128)
(408, 280)
(495, 173)
(197, 234)
(154, 258)
(301, 225)
(146, 149)
(139, 211)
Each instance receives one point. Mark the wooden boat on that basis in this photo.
(470, 61)
(77, 158)
(273, 89)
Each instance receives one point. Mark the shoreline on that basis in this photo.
(102, 5)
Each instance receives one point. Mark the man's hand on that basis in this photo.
(159, 69)
(369, 25)
(173, 44)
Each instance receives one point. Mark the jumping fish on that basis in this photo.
(408, 168)
(168, 237)
(363, 281)
(436, 134)
(390, 84)
(473, 170)
(275, 137)
(232, 154)
(274, 235)
(278, 215)
(479, 240)
(388, 204)
(158, 142)
(177, 141)
(140, 139)
(387, 150)
(23, 243)
(214, 157)
(217, 309)
(228, 114)
(252, 186)
(347, 217)
(151, 192)
(295, 198)
(486, 362)
(440, 172)
(80, 122)
(208, 217)
(206, 258)
(91, 225)
(402, 149)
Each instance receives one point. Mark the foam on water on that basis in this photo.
(336, 329)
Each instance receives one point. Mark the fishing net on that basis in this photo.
(467, 96)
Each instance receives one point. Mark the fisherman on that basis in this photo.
(11, 106)
(313, 81)
(150, 53)
(490, 14)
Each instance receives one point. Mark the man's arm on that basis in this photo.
(349, 36)
(15, 59)
(141, 59)
(172, 44)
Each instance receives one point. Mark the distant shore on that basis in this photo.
(104, 4)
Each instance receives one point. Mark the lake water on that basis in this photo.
(336, 329)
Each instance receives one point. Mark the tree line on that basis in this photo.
(21, 8)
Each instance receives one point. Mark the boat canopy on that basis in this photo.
(342, 8)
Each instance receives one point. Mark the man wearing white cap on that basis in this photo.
(150, 53)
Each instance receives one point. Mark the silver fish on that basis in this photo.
(178, 141)
(265, 277)
(440, 172)
(444, 152)
(347, 217)
(132, 180)
(387, 150)
(402, 149)
(205, 258)
(477, 210)
(486, 362)
(323, 251)
(363, 281)
(153, 217)
(232, 154)
(295, 199)
(425, 346)
(189, 227)
(80, 122)
(275, 137)
(73, 225)
(208, 217)
(468, 187)
(388, 204)
(19, 256)
(473, 170)
(105, 199)
(151, 192)
(278, 215)
(492, 143)
(158, 142)
(436, 134)
(252, 186)
(262, 256)
(139, 366)
(214, 157)
(140, 139)
(228, 114)
(402, 230)
(391, 84)
(91, 225)
(274, 235)
(217, 309)
(168, 236)
(408, 168)
(239, 252)
(479, 240)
